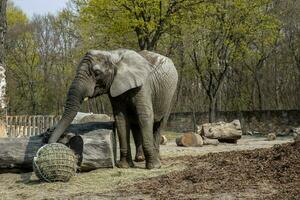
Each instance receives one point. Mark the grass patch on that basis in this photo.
(27, 186)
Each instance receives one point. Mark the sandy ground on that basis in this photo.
(246, 143)
(110, 183)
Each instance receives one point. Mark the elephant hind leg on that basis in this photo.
(137, 136)
(156, 137)
(138, 140)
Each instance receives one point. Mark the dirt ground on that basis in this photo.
(250, 174)
(226, 171)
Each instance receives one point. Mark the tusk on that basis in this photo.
(86, 98)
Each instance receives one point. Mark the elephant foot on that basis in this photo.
(153, 165)
(131, 164)
(123, 163)
(139, 158)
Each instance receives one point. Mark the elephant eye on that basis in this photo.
(97, 72)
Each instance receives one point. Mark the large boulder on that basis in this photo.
(296, 134)
(79, 116)
(222, 131)
(90, 117)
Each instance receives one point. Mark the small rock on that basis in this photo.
(257, 133)
(296, 130)
(271, 136)
(296, 137)
(249, 133)
(283, 134)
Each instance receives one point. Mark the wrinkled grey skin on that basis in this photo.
(140, 87)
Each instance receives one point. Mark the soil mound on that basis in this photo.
(257, 174)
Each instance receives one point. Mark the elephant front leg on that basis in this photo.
(137, 136)
(124, 140)
(146, 124)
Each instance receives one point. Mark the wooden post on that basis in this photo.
(14, 125)
(17, 126)
(21, 124)
(26, 126)
(9, 125)
(38, 125)
(29, 125)
(34, 125)
(51, 121)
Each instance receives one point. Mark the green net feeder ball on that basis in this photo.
(55, 162)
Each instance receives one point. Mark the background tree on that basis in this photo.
(226, 32)
(3, 28)
(120, 20)
(230, 55)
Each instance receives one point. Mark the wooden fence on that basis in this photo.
(28, 125)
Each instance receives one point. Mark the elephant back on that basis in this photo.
(154, 59)
(163, 81)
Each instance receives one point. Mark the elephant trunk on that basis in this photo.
(76, 94)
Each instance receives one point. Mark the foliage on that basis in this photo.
(230, 55)
(226, 35)
(40, 62)
(120, 20)
(15, 16)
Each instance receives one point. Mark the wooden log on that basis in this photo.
(222, 131)
(163, 140)
(95, 141)
(189, 140)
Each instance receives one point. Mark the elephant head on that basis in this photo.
(102, 72)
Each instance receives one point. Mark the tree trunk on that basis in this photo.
(260, 106)
(276, 87)
(3, 27)
(96, 151)
(212, 109)
(194, 120)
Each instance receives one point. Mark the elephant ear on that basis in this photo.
(132, 72)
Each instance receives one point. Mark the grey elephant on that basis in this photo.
(140, 86)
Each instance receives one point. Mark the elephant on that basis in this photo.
(140, 86)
